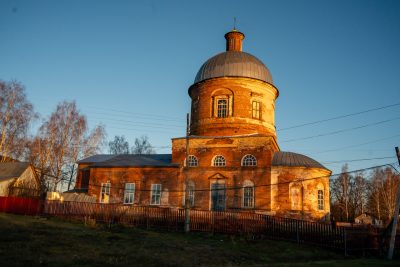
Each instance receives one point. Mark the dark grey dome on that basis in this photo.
(234, 64)
(294, 160)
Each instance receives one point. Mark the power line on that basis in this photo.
(355, 160)
(338, 117)
(340, 131)
(366, 143)
(256, 186)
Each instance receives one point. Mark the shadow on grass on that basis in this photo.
(36, 241)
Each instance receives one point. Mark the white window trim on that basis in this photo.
(229, 108)
(131, 193)
(157, 193)
(251, 197)
(214, 158)
(249, 155)
(196, 160)
(106, 190)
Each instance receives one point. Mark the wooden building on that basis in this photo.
(234, 160)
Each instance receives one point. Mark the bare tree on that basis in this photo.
(61, 141)
(358, 194)
(340, 191)
(16, 113)
(119, 145)
(382, 193)
(142, 146)
(374, 194)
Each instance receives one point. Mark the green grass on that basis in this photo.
(36, 241)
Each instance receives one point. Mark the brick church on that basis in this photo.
(231, 158)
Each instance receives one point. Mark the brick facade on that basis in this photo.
(232, 119)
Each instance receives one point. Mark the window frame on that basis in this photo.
(155, 194)
(218, 161)
(193, 161)
(253, 159)
(129, 193)
(222, 110)
(256, 110)
(105, 190)
(320, 198)
(248, 199)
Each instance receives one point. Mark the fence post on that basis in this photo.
(297, 232)
(147, 217)
(345, 242)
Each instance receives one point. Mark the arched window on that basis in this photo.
(219, 161)
(249, 160)
(192, 161)
(248, 194)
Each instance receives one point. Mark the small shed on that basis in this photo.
(18, 179)
(367, 219)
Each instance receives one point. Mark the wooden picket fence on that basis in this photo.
(250, 225)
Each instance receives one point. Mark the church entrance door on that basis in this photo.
(218, 197)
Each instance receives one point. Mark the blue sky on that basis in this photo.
(128, 65)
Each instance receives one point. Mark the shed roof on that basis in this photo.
(10, 170)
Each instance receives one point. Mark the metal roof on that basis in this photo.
(10, 170)
(133, 160)
(234, 64)
(294, 160)
(97, 158)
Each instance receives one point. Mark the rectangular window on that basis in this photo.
(222, 107)
(248, 197)
(129, 194)
(321, 199)
(256, 110)
(105, 192)
(155, 194)
(191, 196)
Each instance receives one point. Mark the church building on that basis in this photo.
(230, 160)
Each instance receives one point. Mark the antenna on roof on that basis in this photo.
(234, 23)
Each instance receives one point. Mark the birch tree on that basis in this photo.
(61, 141)
(16, 113)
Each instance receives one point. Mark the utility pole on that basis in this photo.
(395, 215)
(186, 168)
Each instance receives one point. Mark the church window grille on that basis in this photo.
(219, 161)
(249, 160)
(192, 161)
(222, 107)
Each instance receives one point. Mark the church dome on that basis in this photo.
(290, 159)
(234, 62)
